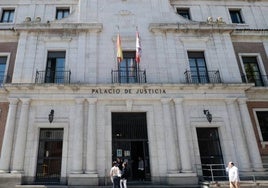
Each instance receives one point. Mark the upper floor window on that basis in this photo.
(262, 117)
(55, 70)
(252, 71)
(7, 15)
(62, 13)
(198, 68)
(236, 16)
(128, 68)
(3, 62)
(184, 12)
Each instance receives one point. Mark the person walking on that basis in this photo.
(141, 173)
(115, 175)
(233, 175)
(124, 175)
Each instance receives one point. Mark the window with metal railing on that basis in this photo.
(198, 72)
(55, 70)
(252, 73)
(128, 70)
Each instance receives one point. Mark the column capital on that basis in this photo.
(242, 101)
(92, 100)
(25, 101)
(79, 100)
(230, 100)
(178, 100)
(13, 101)
(165, 100)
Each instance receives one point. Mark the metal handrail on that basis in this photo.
(128, 76)
(217, 172)
(58, 77)
(258, 80)
(202, 77)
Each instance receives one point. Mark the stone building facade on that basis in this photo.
(197, 97)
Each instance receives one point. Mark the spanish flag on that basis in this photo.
(119, 49)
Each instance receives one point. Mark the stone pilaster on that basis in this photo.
(186, 166)
(169, 131)
(238, 136)
(77, 130)
(254, 152)
(8, 136)
(91, 159)
(20, 145)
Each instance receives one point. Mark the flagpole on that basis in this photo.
(138, 64)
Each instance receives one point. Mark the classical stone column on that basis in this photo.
(8, 136)
(254, 152)
(237, 135)
(20, 144)
(91, 162)
(186, 166)
(77, 146)
(169, 131)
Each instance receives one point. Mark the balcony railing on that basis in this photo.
(202, 77)
(258, 80)
(58, 77)
(122, 76)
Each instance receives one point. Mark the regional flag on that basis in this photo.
(119, 49)
(138, 48)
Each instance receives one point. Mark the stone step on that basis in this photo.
(129, 186)
(224, 184)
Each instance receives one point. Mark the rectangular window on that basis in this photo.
(55, 70)
(3, 62)
(128, 68)
(184, 12)
(263, 124)
(198, 68)
(7, 16)
(236, 16)
(252, 71)
(62, 13)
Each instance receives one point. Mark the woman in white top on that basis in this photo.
(115, 175)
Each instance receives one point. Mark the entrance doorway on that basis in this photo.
(130, 141)
(213, 167)
(48, 170)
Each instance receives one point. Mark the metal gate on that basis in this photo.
(48, 170)
(130, 141)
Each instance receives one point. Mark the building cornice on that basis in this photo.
(191, 27)
(250, 32)
(55, 27)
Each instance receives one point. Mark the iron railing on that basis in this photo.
(258, 80)
(217, 172)
(133, 76)
(58, 77)
(202, 77)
